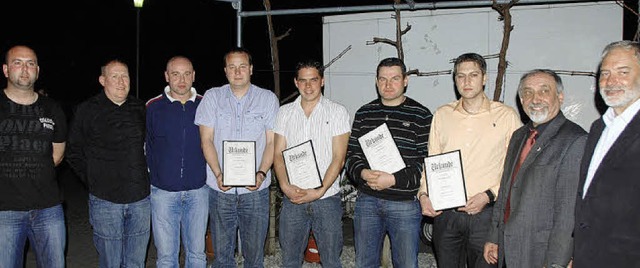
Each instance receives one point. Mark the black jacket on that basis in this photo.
(106, 148)
(607, 225)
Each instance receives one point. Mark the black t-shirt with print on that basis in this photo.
(27, 172)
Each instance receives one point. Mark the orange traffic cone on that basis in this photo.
(311, 254)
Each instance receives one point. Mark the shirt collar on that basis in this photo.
(319, 104)
(485, 107)
(609, 116)
(106, 99)
(171, 99)
(246, 95)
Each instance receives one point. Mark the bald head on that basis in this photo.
(21, 68)
(180, 77)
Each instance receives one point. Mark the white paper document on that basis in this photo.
(445, 180)
(239, 163)
(381, 151)
(302, 167)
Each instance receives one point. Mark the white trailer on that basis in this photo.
(553, 36)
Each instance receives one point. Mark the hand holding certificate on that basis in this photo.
(381, 151)
(239, 163)
(302, 168)
(445, 180)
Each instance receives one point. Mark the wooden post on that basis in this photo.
(270, 247)
(505, 13)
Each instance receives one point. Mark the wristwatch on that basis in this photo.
(492, 197)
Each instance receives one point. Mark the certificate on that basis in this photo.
(381, 151)
(445, 180)
(302, 167)
(238, 163)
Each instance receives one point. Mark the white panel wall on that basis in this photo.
(560, 37)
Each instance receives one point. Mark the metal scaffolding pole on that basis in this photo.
(391, 7)
(238, 7)
(237, 4)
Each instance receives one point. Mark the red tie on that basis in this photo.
(523, 154)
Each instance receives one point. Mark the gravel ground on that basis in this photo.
(82, 254)
(425, 260)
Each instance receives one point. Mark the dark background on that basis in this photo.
(74, 38)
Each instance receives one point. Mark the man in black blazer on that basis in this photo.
(533, 216)
(607, 231)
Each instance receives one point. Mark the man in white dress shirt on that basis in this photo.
(326, 123)
(607, 226)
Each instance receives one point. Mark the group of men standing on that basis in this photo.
(543, 194)
(566, 198)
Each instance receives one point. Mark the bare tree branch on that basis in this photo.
(408, 28)
(381, 40)
(432, 73)
(282, 36)
(399, 33)
(486, 57)
(505, 14)
(273, 41)
(293, 95)
(337, 57)
(270, 246)
(636, 36)
(623, 5)
(577, 73)
(411, 3)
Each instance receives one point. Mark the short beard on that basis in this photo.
(629, 95)
(538, 117)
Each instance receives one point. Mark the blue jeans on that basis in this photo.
(373, 217)
(45, 230)
(180, 213)
(458, 238)
(324, 217)
(247, 212)
(120, 231)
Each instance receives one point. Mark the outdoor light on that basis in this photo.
(138, 5)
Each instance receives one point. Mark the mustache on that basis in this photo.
(536, 106)
(609, 88)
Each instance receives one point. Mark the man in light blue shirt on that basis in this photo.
(238, 111)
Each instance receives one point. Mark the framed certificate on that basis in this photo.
(445, 180)
(302, 167)
(238, 163)
(381, 151)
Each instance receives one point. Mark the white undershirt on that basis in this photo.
(614, 127)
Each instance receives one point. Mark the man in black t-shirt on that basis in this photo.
(33, 130)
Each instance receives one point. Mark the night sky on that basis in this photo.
(73, 38)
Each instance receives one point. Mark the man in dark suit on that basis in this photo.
(607, 231)
(533, 216)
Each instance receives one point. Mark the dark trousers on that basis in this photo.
(459, 238)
